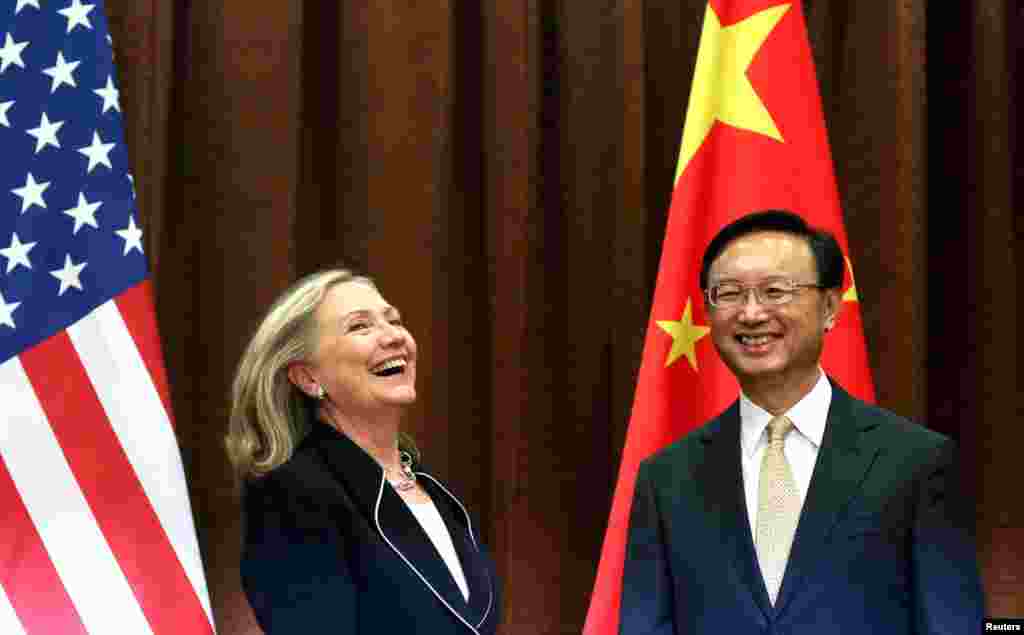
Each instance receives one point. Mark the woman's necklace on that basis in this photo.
(406, 479)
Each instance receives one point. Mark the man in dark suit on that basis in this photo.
(799, 509)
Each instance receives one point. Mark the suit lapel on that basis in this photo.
(843, 461)
(399, 526)
(720, 477)
(474, 566)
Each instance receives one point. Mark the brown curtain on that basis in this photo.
(503, 169)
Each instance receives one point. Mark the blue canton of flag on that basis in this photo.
(69, 238)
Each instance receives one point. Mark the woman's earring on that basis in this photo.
(320, 393)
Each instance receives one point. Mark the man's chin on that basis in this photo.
(764, 374)
(755, 366)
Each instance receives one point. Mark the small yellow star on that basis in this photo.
(851, 294)
(721, 90)
(685, 335)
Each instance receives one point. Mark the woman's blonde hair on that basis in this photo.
(269, 415)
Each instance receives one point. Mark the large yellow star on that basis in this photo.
(685, 335)
(721, 90)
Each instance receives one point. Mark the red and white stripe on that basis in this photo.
(98, 535)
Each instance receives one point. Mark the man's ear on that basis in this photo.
(302, 378)
(833, 305)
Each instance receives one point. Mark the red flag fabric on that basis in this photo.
(754, 138)
(97, 533)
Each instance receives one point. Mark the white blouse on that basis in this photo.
(430, 520)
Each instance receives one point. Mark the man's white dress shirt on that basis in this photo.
(808, 416)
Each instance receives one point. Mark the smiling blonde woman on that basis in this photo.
(344, 530)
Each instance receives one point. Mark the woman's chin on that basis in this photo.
(400, 397)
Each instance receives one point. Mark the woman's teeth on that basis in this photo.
(390, 367)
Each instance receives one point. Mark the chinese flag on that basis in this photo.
(754, 138)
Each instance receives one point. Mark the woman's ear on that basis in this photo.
(302, 378)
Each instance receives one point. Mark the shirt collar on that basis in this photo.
(808, 416)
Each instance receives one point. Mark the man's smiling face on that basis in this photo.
(776, 345)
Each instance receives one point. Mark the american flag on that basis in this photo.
(97, 533)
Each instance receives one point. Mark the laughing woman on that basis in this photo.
(344, 533)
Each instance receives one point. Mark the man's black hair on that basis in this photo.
(828, 257)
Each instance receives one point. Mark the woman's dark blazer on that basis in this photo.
(331, 548)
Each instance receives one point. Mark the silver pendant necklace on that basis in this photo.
(406, 479)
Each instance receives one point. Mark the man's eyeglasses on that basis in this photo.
(729, 295)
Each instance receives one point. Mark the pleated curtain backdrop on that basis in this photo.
(503, 169)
